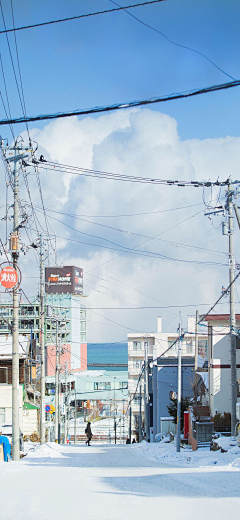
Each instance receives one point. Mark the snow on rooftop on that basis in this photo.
(6, 346)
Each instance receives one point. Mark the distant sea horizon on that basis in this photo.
(107, 353)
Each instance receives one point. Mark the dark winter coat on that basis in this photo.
(88, 431)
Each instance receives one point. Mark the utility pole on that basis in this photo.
(42, 343)
(15, 326)
(57, 388)
(19, 153)
(227, 229)
(140, 415)
(196, 353)
(232, 309)
(75, 420)
(146, 393)
(120, 431)
(109, 421)
(114, 403)
(179, 388)
(130, 422)
(66, 406)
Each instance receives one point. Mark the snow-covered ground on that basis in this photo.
(166, 452)
(122, 482)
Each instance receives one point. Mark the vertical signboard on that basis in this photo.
(202, 353)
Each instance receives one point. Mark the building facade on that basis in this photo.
(219, 362)
(65, 324)
(156, 344)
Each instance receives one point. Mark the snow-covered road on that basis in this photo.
(116, 482)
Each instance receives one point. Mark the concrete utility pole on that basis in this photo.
(67, 392)
(42, 343)
(130, 423)
(146, 393)
(109, 421)
(232, 309)
(140, 415)
(19, 153)
(196, 341)
(120, 431)
(75, 420)
(57, 417)
(179, 387)
(196, 353)
(227, 229)
(65, 402)
(15, 340)
(155, 398)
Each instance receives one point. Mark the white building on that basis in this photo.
(6, 405)
(156, 344)
(219, 362)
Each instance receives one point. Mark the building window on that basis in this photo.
(189, 346)
(137, 345)
(2, 416)
(3, 375)
(173, 350)
(102, 386)
(136, 399)
(83, 326)
(123, 384)
(90, 386)
(137, 364)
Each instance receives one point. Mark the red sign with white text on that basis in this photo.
(8, 277)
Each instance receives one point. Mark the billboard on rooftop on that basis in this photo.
(67, 279)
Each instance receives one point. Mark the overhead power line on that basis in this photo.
(78, 17)
(125, 249)
(127, 232)
(144, 307)
(224, 293)
(173, 42)
(21, 97)
(124, 214)
(77, 170)
(121, 106)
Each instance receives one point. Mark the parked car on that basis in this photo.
(7, 431)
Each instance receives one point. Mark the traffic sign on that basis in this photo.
(52, 409)
(47, 408)
(8, 277)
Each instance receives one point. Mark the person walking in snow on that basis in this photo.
(88, 432)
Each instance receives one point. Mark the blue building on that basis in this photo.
(164, 385)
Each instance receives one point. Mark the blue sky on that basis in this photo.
(112, 58)
(108, 59)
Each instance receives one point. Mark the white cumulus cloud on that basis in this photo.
(115, 222)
